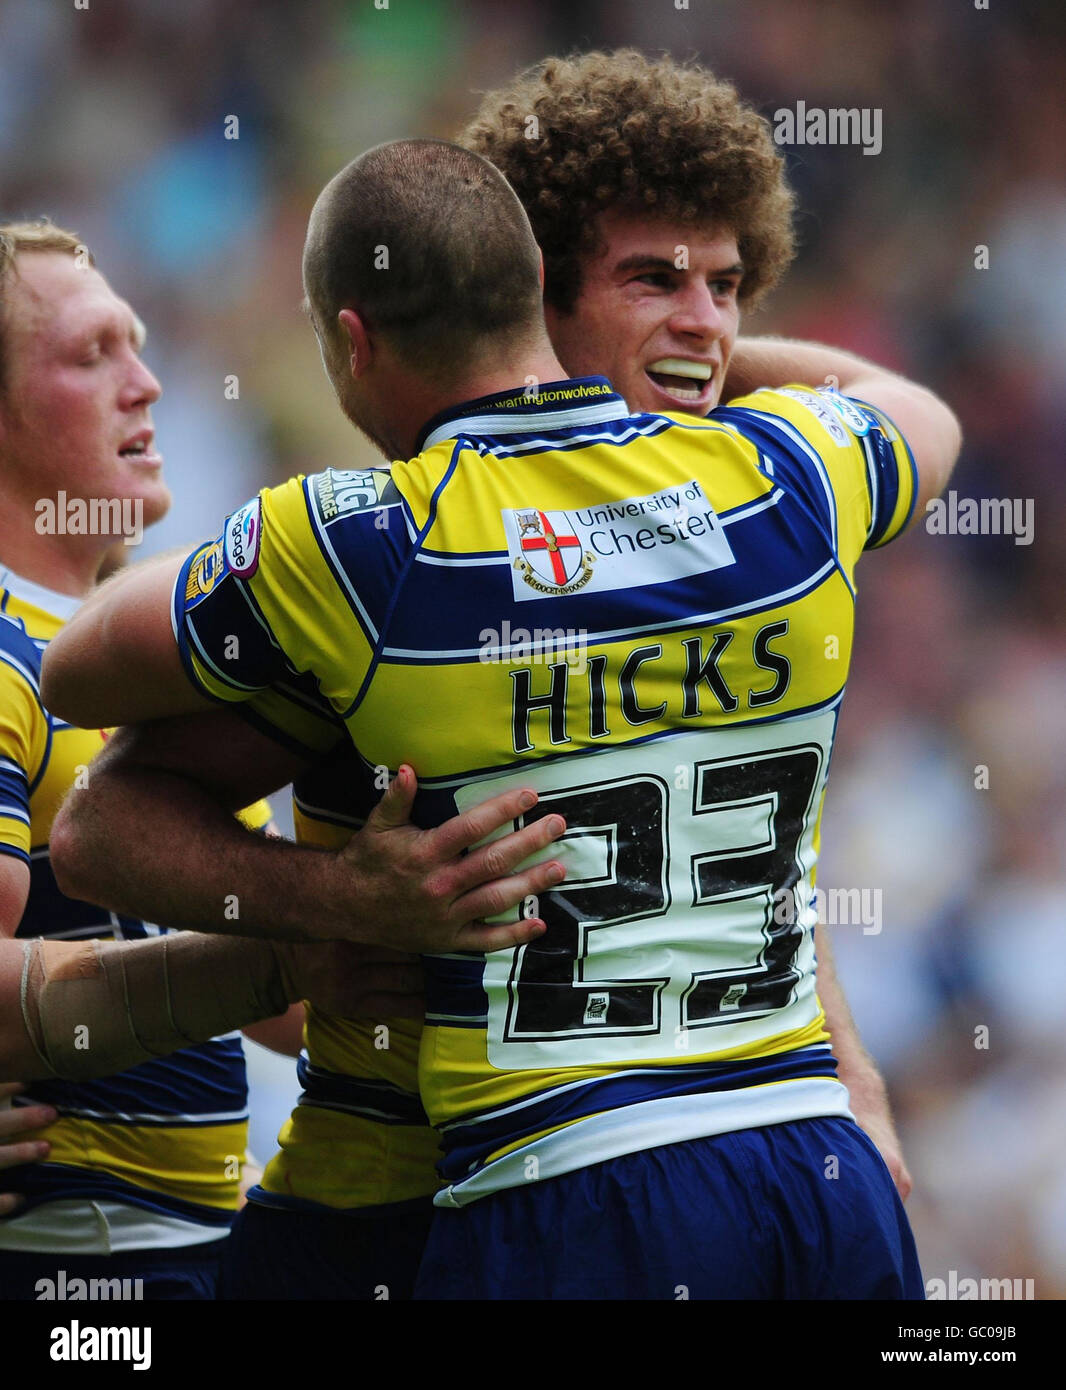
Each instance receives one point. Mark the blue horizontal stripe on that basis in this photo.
(533, 443)
(441, 611)
(376, 1100)
(454, 988)
(468, 1141)
(205, 1080)
(14, 784)
(39, 1183)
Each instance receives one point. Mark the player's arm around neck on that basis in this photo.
(153, 832)
(928, 425)
(153, 835)
(116, 661)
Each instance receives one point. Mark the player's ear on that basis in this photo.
(540, 271)
(354, 333)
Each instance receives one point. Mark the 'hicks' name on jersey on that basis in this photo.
(701, 674)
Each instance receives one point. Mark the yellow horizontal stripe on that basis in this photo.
(385, 1050)
(592, 475)
(15, 832)
(457, 1077)
(194, 1164)
(344, 1160)
(410, 714)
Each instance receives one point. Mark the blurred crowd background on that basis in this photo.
(112, 121)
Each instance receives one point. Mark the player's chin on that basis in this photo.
(148, 496)
(157, 503)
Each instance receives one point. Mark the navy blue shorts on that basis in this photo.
(318, 1253)
(805, 1210)
(184, 1272)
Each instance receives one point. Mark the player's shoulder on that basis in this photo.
(821, 416)
(309, 519)
(24, 723)
(18, 651)
(336, 494)
(332, 546)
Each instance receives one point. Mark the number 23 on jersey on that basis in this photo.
(684, 926)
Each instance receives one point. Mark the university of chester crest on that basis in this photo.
(552, 560)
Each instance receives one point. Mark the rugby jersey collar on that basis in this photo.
(61, 606)
(558, 405)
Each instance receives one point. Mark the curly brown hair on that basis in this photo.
(578, 135)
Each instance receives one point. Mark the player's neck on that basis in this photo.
(63, 563)
(532, 369)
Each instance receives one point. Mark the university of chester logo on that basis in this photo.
(552, 560)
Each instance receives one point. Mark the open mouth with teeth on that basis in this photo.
(682, 379)
(141, 449)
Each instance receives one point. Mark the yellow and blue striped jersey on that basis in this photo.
(358, 1136)
(649, 620)
(166, 1138)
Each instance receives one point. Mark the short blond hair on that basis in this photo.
(20, 239)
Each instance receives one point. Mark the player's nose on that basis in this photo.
(695, 312)
(142, 386)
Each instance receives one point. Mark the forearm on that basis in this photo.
(87, 1009)
(156, 845)
(778, 361)
(857, 1068)
(283, 1035)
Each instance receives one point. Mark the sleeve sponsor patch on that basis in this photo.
(852, 415)
(338, 493)
(204, 572)
(820, 409)
(241, 538)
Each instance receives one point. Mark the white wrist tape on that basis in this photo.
(93, 1008)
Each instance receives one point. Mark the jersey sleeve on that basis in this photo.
(23, 748)
(260, 617)
(295, 715)
(845, 454)
(227, 650)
